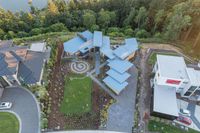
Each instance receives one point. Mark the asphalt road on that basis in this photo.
(25, 106)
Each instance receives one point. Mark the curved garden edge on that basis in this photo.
(18, 118)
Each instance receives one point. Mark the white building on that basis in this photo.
(172, 76)
(172, 71)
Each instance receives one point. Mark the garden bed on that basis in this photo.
(166, 128)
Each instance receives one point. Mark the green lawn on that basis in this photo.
(155, 126)
(77, 95)
(8, 123)
(153, 57)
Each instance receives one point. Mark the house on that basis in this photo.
(117, 59)
(23, 65)
(172, 76)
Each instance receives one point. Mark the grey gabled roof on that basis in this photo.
(4, 66)
(25, 74)
(29, 70)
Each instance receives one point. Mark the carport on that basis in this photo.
(165, 102)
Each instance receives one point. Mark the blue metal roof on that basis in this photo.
(98, 39)
(124, 51)
(85, 47)
(114, 85)
(119, 65)
(105, 49)
(121, 52)
(131, 44)
(118, 76)
(72, 46)
(87, 35)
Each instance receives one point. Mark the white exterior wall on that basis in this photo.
(160, 80)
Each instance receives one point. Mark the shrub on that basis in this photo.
(142, 33)
(36, 31)
(2, 33)
(129, 32)
(56, 28)
(94, 27)
(113, 29)
(158, 35)
(21, 34)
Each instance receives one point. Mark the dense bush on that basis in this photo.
(142, 34)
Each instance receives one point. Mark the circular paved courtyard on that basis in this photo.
(79, 67)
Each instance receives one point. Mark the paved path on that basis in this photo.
(25, 105)
(103, 87)
(121, 113)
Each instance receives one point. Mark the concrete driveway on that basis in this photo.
(25, 106)
(121, 113)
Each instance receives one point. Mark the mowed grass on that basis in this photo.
(155, 126)
(77, 95)
(8, 123)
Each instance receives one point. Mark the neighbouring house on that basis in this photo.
(23, 65)
(117, 59)
(172, 76)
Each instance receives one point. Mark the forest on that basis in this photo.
(165, 19)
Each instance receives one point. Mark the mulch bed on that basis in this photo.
(59, 121)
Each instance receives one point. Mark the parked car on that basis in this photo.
(185, 112)
(184, 120)
(5, 105)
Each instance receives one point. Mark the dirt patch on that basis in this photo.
(59, 121)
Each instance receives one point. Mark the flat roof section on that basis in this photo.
(164, 100)
(119, 65)
(98, 39)
(172, 66)
(38, 47)
(117, 76)
(194, 76)
(114, 85)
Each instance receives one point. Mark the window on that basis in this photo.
(192, 88)
(187, 93)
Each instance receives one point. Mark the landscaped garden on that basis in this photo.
(77, 95)
(8, 123)
(161, 127)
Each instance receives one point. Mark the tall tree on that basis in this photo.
(52, 8)
(140, 19)
(89, 19)
(177, 20)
